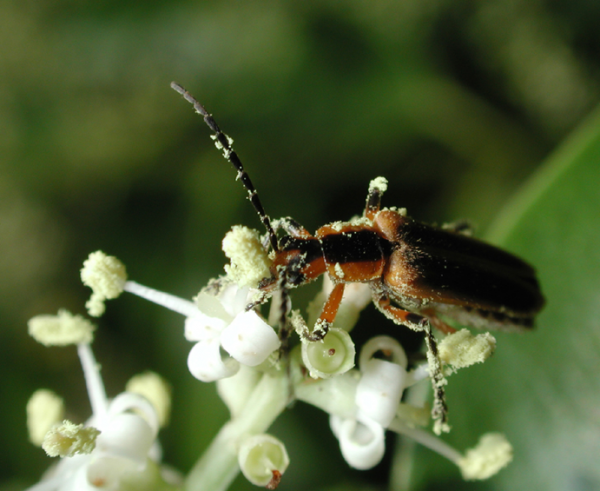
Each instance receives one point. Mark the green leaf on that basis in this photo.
(542, 388)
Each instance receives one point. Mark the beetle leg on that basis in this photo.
(438, 323)
(291, 227)
(376, 189)
(439, 411)
(328, 314)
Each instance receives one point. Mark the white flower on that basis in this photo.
(215, 323)
(364, 403)
(362, 440)
(263, 459)
(116, 447)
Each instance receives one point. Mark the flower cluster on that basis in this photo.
(234, 345)
(117, 447)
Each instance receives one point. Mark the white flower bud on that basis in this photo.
(249, 339)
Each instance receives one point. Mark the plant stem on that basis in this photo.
(218, 466)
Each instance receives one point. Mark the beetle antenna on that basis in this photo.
(223, 142)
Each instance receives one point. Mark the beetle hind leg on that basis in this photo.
(416, 322)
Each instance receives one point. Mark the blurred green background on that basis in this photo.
(455, 102)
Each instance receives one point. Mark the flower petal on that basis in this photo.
(249, 339)
(202, 327)
(380, 389)
(362, 441)
(206, 364)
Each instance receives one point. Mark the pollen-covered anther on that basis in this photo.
(462, 349)
(44, 410)
(106, 276)
(249, 261)
(492, 453)
(62, 329)
(333, 355)
(68, 439)
(263, 459)
(154, 388)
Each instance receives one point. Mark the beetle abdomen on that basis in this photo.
(447, 268)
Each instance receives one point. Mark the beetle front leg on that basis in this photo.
(439, 411)
(325, 320)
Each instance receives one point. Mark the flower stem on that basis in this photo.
(218, 466)
(93, 380)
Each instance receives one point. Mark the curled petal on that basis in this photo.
(388, 346)
(380, 389)
(234, 299)
(206, 363)
(128, 401)
(126, 436)
(155, 389)
(262, 459)
(333, 356)
(211, 306)
(249, 339)
(202, 327)
(362, 441)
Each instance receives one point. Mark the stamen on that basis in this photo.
(93, 381)
(171, 302)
